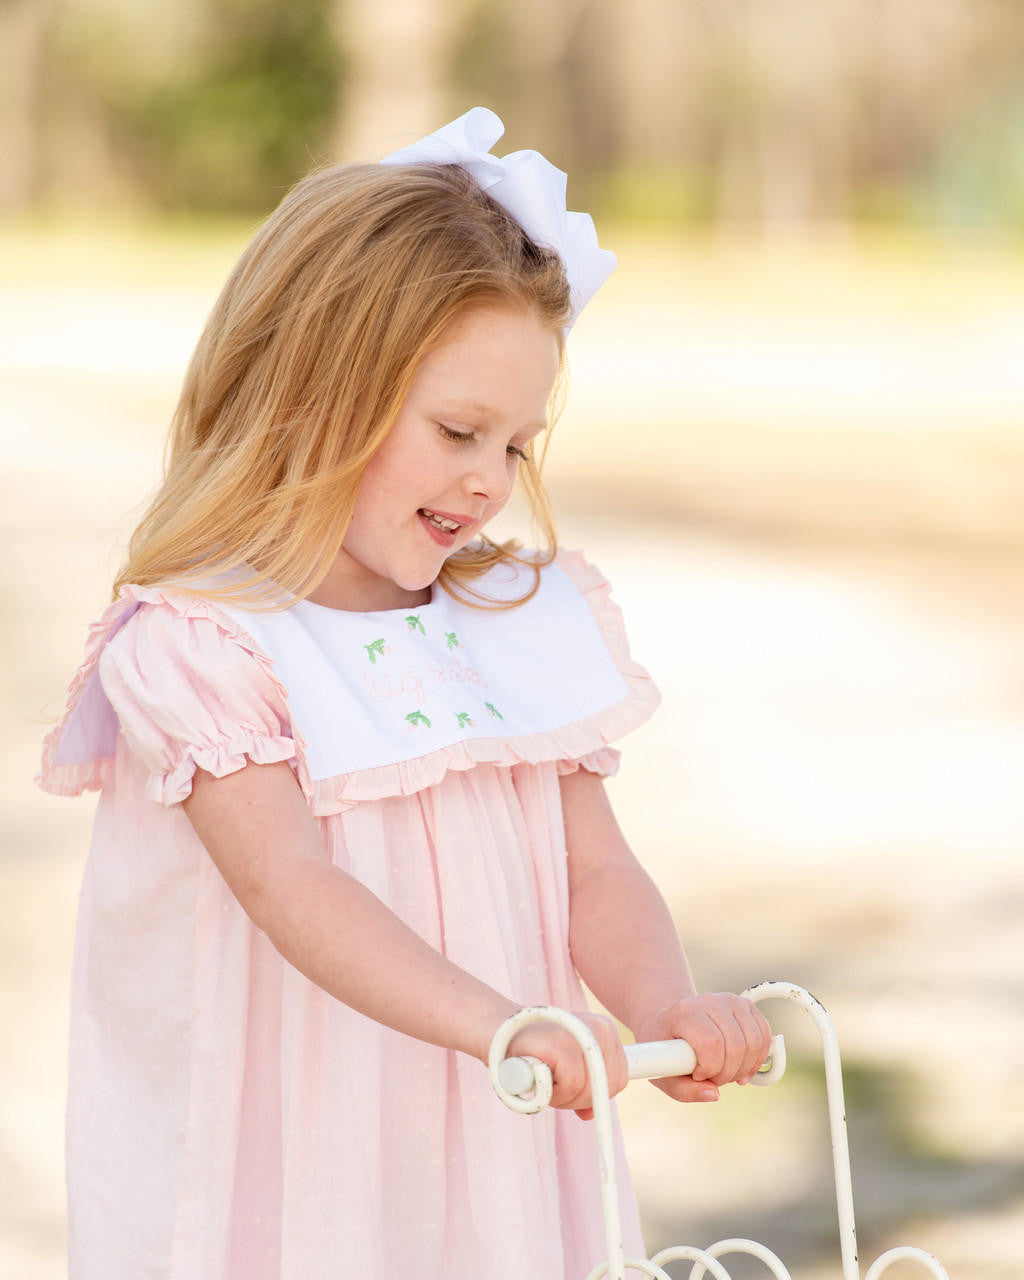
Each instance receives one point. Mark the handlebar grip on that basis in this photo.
(653, 1060)
(648, 1061)
(660, 1058)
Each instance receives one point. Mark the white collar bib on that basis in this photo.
(373, 689)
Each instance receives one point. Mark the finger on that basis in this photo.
(612, 1053)
(561, 1054)
(758, 1035)
(616, 1066)
(735, 1043)
(709, 1046)
(686, 1089)
(571, 1088)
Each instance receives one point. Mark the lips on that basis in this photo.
(449, 524)
(449, 520)
(440, 533)
(444, 526)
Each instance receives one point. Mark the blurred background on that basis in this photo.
(794, 443)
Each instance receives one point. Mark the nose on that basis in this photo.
(491, 475)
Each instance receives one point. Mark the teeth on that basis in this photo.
(449, 526)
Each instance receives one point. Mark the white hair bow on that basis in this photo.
(529, 187)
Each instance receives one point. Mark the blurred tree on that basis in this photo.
(246, 118)
(682, 110)
(539, 65)
(398, 56)
(215, 105)
(23, 29)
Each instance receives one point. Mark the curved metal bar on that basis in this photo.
(775, 1068)
(774, 1263)
(600, 1101)
(927, 1260)
(703, 1259)
(643, 1265)
(836, 1109)
(542, 1083)
(531, 1071)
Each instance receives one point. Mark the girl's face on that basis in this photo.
(448, 464)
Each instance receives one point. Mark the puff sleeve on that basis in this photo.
(188, 694)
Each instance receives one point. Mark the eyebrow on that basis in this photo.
(482, 410)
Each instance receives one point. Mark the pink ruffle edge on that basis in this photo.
(219, 759)
(582, 744)
(226, 757)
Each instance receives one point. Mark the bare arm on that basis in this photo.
(626, 949)
(258, 830)
(623, 939)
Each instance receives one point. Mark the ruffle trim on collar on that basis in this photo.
(582, 744)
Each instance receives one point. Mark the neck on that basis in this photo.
(352, 589)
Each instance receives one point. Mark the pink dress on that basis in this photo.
(227, 1119)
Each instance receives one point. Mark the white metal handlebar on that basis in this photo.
(650, 1060)
(512, 1078)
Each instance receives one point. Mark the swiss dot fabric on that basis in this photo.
(228, 1120)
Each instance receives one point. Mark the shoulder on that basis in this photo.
(170, 623)
(157, 662)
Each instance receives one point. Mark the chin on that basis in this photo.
(417, 580)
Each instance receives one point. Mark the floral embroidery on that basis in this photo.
(494, 710)
(414, 624)
(417, 717)
(452, 638)
(464, 719)
(377, 649)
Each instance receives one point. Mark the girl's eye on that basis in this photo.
(460, 437)
(465, 437)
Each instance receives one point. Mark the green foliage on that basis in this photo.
(233, 129)
(977, 180)
(972, 179)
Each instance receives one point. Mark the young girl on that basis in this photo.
(351, 756)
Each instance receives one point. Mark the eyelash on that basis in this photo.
(463, 437)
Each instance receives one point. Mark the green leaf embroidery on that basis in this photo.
(414, 624)
(417, 717)
(376, 650)
(494, 710)
(464, 720)
(453, 639)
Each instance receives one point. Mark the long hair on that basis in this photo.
(302, 368)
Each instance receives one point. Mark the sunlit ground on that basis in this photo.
(801, 465)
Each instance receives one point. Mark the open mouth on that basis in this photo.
(442, 529)
(439, 522)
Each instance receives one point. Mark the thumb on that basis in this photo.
(686, 1089)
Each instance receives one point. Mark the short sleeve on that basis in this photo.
(604, 762)
(188, 694)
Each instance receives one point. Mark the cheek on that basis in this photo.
(393, 474)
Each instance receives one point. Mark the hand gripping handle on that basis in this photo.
(650, 1061)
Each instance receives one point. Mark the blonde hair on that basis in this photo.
(304, 363)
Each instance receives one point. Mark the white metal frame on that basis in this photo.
(524, 1085)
